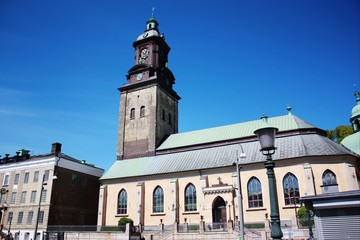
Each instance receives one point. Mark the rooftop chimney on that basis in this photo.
(56, 147)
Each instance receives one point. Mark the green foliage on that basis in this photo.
(123, 221)
(303, 217)
(339, 133)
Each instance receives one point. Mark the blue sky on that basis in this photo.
(61, 63)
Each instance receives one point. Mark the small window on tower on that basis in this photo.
(169, 115)
(132, 113)
(163, 115)
(142, 111)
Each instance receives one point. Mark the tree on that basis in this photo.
(339, 133)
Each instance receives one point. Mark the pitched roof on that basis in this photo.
(294, 146)
(234, 131)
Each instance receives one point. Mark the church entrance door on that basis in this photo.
(219, 213)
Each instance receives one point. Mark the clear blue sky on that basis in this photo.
(61, 63)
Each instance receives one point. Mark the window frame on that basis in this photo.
(23, 197)
(122, 202)
(158, 200)
(132, 113)
(30, 217)
(254, 190)
(142, 111)
(20, 217)
(291, 190)
(329, 177)
(190, 198)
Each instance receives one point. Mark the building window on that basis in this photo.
(328, 178)
(16, 179)
(10, 217)
(169, 116)
(3, 198)
(41, 217)
(163, 114)
(26, 178)
(36, 176)
(74, 178)
(254, 193)
(32, 196)
(6, 180)
(46, 175)
(30, 217)
(158, 200)
(20, 217)
(132, 113)
(23, 197)
(190, 198)
(122, 202)
(142, 111)
(43, 195)
(13, 197)
(291, 189)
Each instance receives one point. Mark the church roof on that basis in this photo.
(234, 131)
(352, 142)
(289, 146)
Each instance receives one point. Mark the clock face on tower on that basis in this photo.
(144, 53)
(139, 76)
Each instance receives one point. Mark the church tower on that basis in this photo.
(148, 103)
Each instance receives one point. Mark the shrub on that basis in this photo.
(303, 217)
(123, 221)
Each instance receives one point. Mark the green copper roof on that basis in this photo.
(235, 131)
(352, 142)
(356, 110)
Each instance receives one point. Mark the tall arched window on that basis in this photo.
(132, 113)
(190, 198)
(291, 189)
(158, 200)
(328, 178)
(254, 193)
(142, 111)
(122, 202)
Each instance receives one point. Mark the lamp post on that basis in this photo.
(266, 136)
(43, 183)
(242, 155)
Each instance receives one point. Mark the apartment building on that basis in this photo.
(41, 191)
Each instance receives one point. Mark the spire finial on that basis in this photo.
(264, 117)
(152, 12)
(357, 94)
(289, 108)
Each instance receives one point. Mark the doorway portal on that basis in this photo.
(219, 212)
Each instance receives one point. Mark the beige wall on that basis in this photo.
(208, 179)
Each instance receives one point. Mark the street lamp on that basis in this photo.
(242, 155)
(43, 183)
(266, 136)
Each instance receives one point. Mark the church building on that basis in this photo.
(163, 176)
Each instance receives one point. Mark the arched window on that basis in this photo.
(190, 198)
(158, 200)
(122, 202)
(328, 178)
(142, 111)
(291, 189)
(254, 193)
(132, 113)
